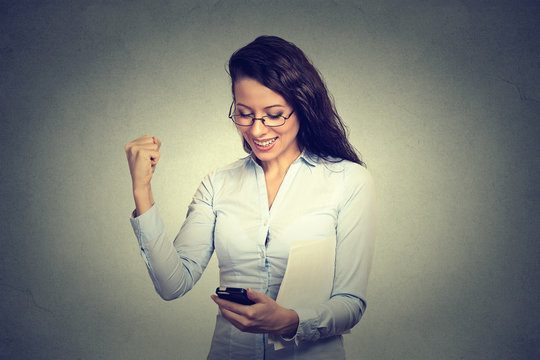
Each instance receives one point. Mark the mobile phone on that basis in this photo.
(238, 295)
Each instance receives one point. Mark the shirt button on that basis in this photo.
(265, 222)
(262, 254)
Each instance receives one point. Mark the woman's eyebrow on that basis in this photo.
(240, 104)
(271, 106)
(268, 107)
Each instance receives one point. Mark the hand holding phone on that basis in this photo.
(238, 295)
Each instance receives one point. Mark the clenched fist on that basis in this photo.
(143, 156)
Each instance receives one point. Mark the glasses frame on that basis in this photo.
(253, 118)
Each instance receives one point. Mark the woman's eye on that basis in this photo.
(274, 117)
(245, 116)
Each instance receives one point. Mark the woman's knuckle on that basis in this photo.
(245, 323)
(250, 314)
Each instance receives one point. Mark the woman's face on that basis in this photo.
(268, 143)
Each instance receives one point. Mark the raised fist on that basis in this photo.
(143, 156)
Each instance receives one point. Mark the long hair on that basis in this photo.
(282, 67)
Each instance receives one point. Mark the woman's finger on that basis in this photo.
(231, 306)
(145, 139)
(256, 297)
(154, 154)
(138, 149)
(154, 157)
(156, 141)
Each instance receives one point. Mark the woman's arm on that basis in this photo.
(173, 271)
(355, 235)
(175, 268)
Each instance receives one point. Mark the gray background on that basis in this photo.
(441, 97)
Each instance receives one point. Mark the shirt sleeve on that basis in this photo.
(355, 235)
(175, 267)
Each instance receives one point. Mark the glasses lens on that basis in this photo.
(242, 119)
(273, 120)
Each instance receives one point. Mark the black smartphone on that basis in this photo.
(238, 295)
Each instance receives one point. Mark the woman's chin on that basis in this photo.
(263, 156)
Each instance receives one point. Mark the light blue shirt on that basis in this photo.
(229, 215)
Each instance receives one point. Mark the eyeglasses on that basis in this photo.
(242, 119)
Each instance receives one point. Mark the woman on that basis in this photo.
(301, 180)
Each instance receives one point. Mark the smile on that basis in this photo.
(265, 143)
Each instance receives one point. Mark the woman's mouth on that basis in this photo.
(265, 145)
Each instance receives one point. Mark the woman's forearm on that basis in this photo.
(144, 199)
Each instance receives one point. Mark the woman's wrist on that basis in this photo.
(143, 197)
(292, 320)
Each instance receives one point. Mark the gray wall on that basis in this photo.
(441, 97)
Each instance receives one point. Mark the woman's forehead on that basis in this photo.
(251, 93)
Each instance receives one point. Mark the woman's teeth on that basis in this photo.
(264, 143)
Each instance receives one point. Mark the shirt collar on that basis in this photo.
(309, 158)
(306, 156)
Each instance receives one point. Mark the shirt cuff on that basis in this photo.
(307, 326)
(148, 226)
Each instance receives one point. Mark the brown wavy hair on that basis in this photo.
(282, 67)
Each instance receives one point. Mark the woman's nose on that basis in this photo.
(258, 128)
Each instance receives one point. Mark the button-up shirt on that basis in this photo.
(229, 214)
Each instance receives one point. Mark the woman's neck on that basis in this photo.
(280, 165)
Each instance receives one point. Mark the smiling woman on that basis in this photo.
(302, 180)
(269, 143)
(274, 147)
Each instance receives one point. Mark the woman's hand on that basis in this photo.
(143, 156)
(265, 316)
